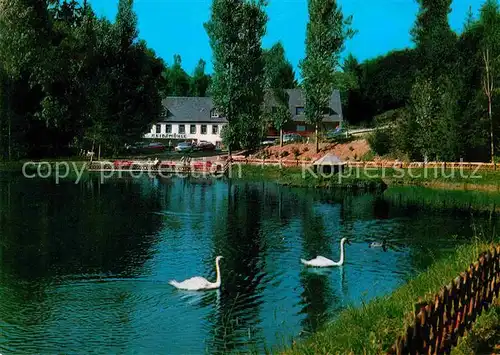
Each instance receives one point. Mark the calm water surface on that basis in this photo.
(84, 267)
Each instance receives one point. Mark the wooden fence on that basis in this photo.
(438, 325)
(372, 164)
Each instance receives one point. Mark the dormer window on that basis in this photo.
(299, 110)
(215, 113)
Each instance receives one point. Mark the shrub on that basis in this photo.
(368, 156)
(284, 154)
(380, 141)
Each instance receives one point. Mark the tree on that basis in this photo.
(278, 76)
(235, 29)
(199, 81)
(490, 48)
(433, 36)
(326, 33)
(178, 81)
(469, 20)
(277, 69)
(24, 33)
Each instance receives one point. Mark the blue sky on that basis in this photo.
(176, 26)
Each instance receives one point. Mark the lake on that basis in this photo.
(85, 267)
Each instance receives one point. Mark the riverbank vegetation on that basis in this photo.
(68, 76)
(444, 200)
(305, 176)
(299, 177)
(374, 327)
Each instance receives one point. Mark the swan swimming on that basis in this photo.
(199, 283)
(321, 261)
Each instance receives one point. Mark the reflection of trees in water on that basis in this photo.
(438, 220)
(317, 293)
(317, 298)
(381, 208)
(52, 229)
(49, 231)
(239, 240)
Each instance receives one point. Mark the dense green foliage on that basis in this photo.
(278, 76)
(70, 79)
(326, 33)
(439, 92)
(177, 82)
(235, 29)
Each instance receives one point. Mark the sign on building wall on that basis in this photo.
(167, 135)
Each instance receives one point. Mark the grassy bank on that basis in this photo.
(297, 177)
(432, 199)
(365, 177)
(484, 336)
(437, 177)
(374, 327)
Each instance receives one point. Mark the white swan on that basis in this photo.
(199, 283)
(321, 261)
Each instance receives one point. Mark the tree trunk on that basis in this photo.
(9, 135)
(316, 139)
(9, 123)
(92, 152)
(281, 137)
(2, 119)
(492, 144)
(99, 156)
(1, 134)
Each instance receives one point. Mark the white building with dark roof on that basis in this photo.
(196, 118)
(189, 118)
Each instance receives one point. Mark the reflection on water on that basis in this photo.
(86, 266)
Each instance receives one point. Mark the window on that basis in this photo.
(301, 128)
(299, 110)
(168, 128)
(215, 113)
(215, 129)
(158, 128)
(192, 129)
(182, 129)
(203, 129)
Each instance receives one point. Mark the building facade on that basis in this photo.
(196, 118)
(189, 119)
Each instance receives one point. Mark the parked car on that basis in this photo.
(338, 133)
(204, 145)
(270, 142)
(145, 148)
(154, 147)
(292, 137)
(184, 147)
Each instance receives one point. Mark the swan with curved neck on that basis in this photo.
(321, 261)
(199, 283)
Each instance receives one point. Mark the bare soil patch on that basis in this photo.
(352, 151)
